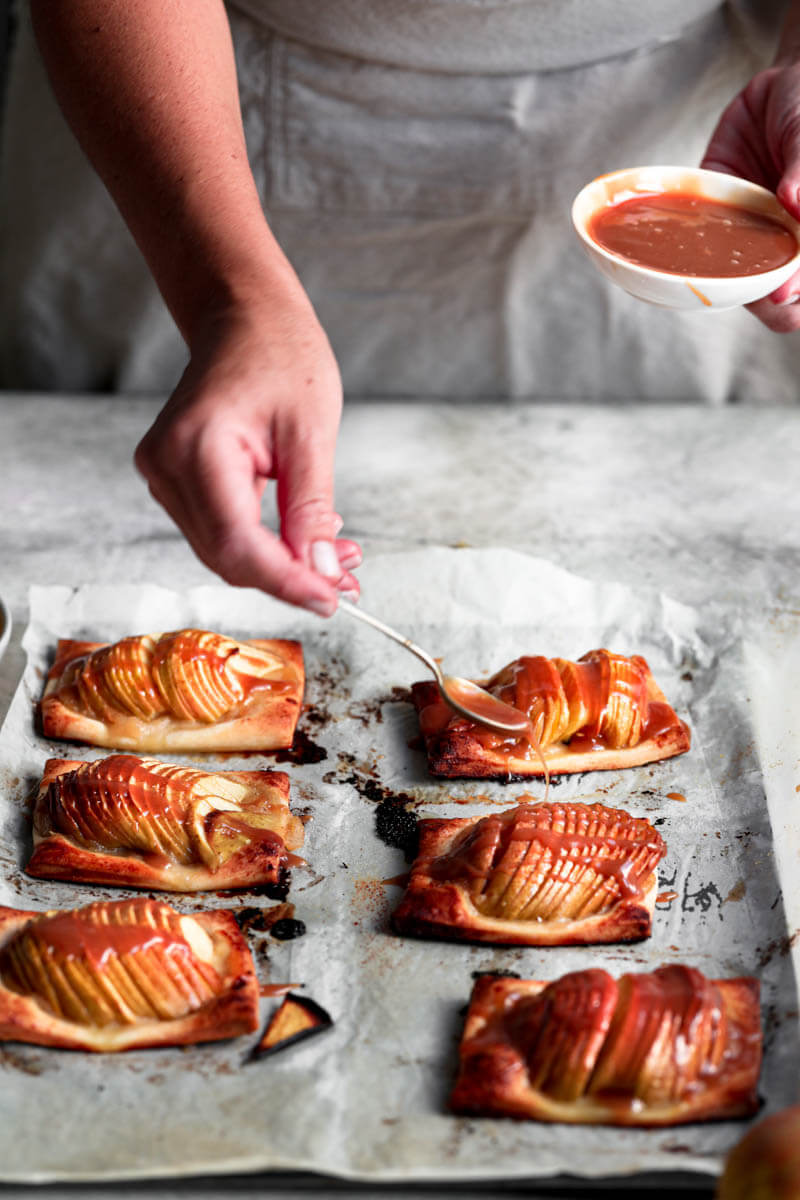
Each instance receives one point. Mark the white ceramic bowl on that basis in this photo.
(701, 293)
(5, 626)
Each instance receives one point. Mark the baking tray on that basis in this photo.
(368, 1100)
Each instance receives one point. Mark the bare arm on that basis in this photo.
(149, 87)
(758, 138)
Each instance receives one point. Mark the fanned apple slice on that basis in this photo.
(561, 1031)
(115, 975)
(668, 1027)
(186, 690)
(137, 822)
(654, 1049)
(536, 874)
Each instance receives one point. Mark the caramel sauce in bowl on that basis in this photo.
(683, 272)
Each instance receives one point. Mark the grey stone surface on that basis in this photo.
(702, 504)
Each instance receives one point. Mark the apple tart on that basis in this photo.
(123, 974)
(662, 1048)
(186, 690)
(601, 713)
(137, 822)
(534, 875)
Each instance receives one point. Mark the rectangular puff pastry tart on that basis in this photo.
(137, 822)
(185, 690)
(601, 713)
(534, 875)
(123, 974)
(663, 1048)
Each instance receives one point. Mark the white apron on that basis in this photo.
(417, 161)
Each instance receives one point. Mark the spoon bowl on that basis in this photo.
(466, 697)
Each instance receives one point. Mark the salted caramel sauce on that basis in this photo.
(66, 935)
(597, 703)
(547, 862)
(685, 233)
(276, 989)
(483, 705)
(110, 962)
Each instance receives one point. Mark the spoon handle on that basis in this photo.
(353, 611)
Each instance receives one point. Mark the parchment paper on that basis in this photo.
(368, 1100)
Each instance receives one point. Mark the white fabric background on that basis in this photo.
(424, 203)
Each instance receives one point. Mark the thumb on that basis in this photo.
(788, 189)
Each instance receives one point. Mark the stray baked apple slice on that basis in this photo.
(537, 875)
(601, 713)
(186, 690)
(296, 1019)
(121, 974)
(137, 822)
(659, 1048)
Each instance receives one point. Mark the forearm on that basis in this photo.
(149, 88)
(789, 43)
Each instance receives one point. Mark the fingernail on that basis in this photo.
(324, 560)
(323, 608)
(352, 595)
(352, 560)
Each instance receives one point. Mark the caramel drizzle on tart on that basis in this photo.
(113, 963)
(546, 862)
(651, 1037)
(599, 702)
(189, 675)
(123, 802)
(646, 1042)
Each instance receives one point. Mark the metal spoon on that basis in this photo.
(461, 694)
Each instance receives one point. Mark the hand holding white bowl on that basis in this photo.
(671, 289)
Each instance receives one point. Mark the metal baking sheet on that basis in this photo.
(368, 1100)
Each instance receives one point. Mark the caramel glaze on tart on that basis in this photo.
(186, 690)
(115, 975)
(600, 713)
(537, 874)
(662, 1048)
(136, 822)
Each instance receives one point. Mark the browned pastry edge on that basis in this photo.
(268, 723)
(435, 908)
(56, 857)
(233, 1013)
(456, 754)
(492, 1080)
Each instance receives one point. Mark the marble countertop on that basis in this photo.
(703, 504)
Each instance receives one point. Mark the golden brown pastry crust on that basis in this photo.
(133, 822)
(124, 702)
(534, 875)
(663, 1048)
(93, 981)
(603, 713)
